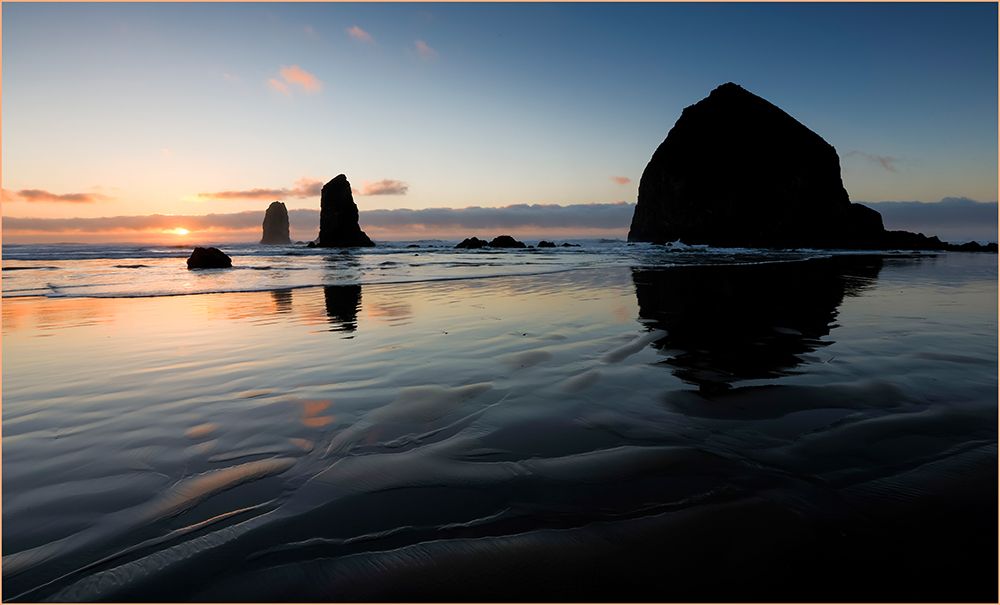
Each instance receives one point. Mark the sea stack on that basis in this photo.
(506, 241)
(338, 217)
(276, 225)
(736, 170)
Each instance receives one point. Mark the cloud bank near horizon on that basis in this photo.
(952, 219)
(606, 218)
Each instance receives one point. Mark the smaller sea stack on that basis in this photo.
(338, 217)
(276, 225)
(472, 242)
(506, 241)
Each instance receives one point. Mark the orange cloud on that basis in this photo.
(40, 195)
(621, 180)
(293, 74)
(383, 187)
(279, 86)
(304, 187)
(425, 51)
(359, 34)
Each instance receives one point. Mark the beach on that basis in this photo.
(610, 423)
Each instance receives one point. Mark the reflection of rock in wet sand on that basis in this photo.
(282, 300)
(737, 322)
(342, 306)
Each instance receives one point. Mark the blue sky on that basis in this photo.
(144, 108)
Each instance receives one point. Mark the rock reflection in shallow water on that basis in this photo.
(342, 306)
(282, 300)
(728, 323)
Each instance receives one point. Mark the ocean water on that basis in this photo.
(609, 422)
(68, 270)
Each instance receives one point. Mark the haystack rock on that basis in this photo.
(209, 258)
(736, 170)
(276, 225)
(338, 217)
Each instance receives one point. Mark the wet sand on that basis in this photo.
(812, 431)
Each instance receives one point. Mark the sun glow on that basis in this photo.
(178, 231)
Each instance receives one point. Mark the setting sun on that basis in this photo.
(178, 231)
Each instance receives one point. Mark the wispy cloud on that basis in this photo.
(425, 51)
(359, 34)
(306, 187)
(303, 188)
(621, 180)
(383, 187)
(279, 86)
(40, 195)
(293, 74)
(887, 162)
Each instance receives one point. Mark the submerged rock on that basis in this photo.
(338, 218)
(569, 245)
(506, 241)
(546, 244)
(472, 242)
(276, 225)
(209, 258)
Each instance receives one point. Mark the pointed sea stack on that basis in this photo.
(338, 217)
(276, 225)
(736, 170)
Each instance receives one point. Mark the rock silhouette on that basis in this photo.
(209, 258)
(546, 244)
(506, 241)
(338, 217)
(472, 243)
(736, 170)
(275, 225)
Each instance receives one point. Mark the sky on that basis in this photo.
(140, 118)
